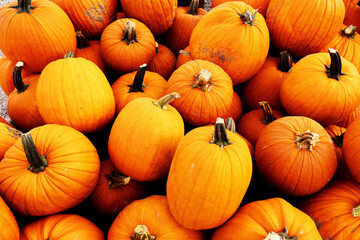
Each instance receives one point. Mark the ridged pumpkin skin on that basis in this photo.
(73, 167)
(9, 227)
(332, 209)
(351, 148)
(257, 219)
(48, 30)
(236, 109)
(183, 57)
(255, 4)
(158, 15)
(74, 92)
(124, 57)
(8, 136)
(163, 62)
(285, 148)
(352, 16)
(207, 182)
(223, 38)
(350, 118)
(152, 212)
(288, 23)
(61, 227)
(143, 139)
(203, 98)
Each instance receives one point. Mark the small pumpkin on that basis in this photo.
(352, 15)
(183, 57)
(9, 227)
(236, 109)
(164, 61)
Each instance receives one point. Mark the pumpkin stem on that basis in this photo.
(115, 179)
(334, 71)
(306, 140)
(284, 235)
(248, 17)
(17, 79)
(69, 54)
(338, 140)
(286, 61)
(184, 52)
(156, 47)
(220, 136)
(230, 124)
(267, 111)
(129, 33)
(24, 6)
(81, 40)
(141, 232)
(349, 32)
(356, 211)
(138, 83)
(194, 6)
(202, 80)
(37, 162)
(163, 101)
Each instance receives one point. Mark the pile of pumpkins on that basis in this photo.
(149, 120)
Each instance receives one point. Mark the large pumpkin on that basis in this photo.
(41, 172)
(262, 5)
(233, 36)
(36, 32)
(208, 178)
(9, 227)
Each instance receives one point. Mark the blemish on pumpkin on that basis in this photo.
(96, 13)
(217, 54)
(12, 132)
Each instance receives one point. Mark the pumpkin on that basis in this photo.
(216, 38)
(261, 5)
(286, 147)
(306, 90)
(289, 27)
(183, 57)
(352, 15)
(120, 15)
(75, 92)
(144, 137)
(126, 44)
(164, 61)
(8, 136)
(158, 15)
(9, 227)
(115, 191)
(61, 227)
(208, 178)
(350, 148)
(40, 173)
(270, 219)
(266, 84)
(350, 118)
(41, 24)
(335, 210)
(205, 89)
(186, 18)
(252, 122)
(140, 83)
(231, 126)
(22, 105)
(236, 110)
(349, 3)
(150, 218)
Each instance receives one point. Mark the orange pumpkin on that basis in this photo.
(236, 110)
(351, 150)
(261, 5)
(164, 61)
(352, 15)
(41, 172)
(9, 227)
(231, 126)
(183, 57)
(41, 24)
(350, 118)
(208, 178)
(8, 136)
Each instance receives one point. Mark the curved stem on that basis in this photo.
(338, 140)
(334, 71)
(24, 6)
(115, 179)
(202, 80)
(184, 52)
(81, 40)
(230, 124)
(163, 101)
(37, 162)
(349, 32)
(69, 54)
(248, 17)
(306, 140)
(129, 33)
(138, 85)
(194, 6)
(267, 111)
(17, 79)
(284, 235)
(220, 136)
(286, 61)
(356, 211)
(141, 232)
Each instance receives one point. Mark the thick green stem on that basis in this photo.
(334, 71)
(248, 17)
(81, 40)
(141, 232)
(220, 136)
(284, 235)
(115, 179)
(138, 83)
(286, 61)
(349, 32)
(69, 54)
(163, 101)
(203, 80)
(24, 6)
(267, 111)
(37, 162)
(194, 6)
(306, 140)
(230, 124)
(356, 211)
(338, 140)
(129, 33)
(17, 79)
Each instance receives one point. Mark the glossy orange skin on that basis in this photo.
(8, 136)
(154, 213)
(289, 28)
(332, 207)
(256, 219)
(48, 30)
(351, 148)
(93, 53)
(158, 15)
(207, 183)
(9, 227)
(109, 202)
(350, 118)
(122, 57)
(306, 90)
(240, 57)
(164, 62)
(73, 167)
(236, 110)
(255, 4)
(61, 227)
(196, 106)
(183, 58)
(143, 139)
(352, 15)
(284, 166)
